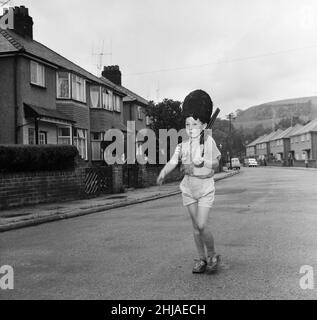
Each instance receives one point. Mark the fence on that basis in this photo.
(98, 180)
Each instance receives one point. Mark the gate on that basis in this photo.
(130, 175)
(98, 180)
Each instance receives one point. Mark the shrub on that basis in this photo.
(17, 158)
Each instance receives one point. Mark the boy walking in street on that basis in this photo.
(197, 186)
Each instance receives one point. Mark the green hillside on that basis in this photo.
(272, 112)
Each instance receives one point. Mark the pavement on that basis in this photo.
(16, 218)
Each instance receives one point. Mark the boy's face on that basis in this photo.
(194, 127)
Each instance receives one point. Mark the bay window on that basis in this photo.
(96, 138)
(63, 85)
(64, 135)
(117, 106)
(95, 97)
(80, 141)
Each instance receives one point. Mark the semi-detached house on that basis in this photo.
(303, 142)
(47, 99)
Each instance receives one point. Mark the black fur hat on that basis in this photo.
(198, 105)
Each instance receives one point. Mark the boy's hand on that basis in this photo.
(160, 178)
(198, 162)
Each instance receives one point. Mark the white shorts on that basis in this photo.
(198, 190)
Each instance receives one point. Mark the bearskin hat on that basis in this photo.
(198, 105)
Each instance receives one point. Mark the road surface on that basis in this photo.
(265, 227)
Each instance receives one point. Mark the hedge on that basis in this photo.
(17, 158)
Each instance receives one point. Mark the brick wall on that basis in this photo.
(20, 189)
(147, 175)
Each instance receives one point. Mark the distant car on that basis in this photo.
(250, 162)
(235, 163)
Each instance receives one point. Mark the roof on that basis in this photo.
(253, 143)
(10, 42)
(311, 126)
(35, 111)
(271, 136)
(131, 96)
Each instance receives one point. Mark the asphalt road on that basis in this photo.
(265, 226)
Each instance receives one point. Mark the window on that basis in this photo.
(296, 139)
(110, 98)
(37, 74)
(302, 137)
(64, 135)
(95, 97)
(105, 99)
(117, 106)
(96, 138)
(139, 113)
(80, 141)
(147, 120)
(78, 88)
(63, 85)
(43, 137)
(307, 136)
(292, 140)
(31, 136)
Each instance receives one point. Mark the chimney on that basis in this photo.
(23, 23)
(113, 74)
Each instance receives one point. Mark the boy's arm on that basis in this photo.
(212, 155)
(170, 166)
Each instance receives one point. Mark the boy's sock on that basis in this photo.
(209, 242)
(199, 245)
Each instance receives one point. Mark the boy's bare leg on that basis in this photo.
(192, 209)
(205, 233)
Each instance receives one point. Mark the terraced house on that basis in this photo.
(47, 99)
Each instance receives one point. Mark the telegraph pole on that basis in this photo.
(230, 117)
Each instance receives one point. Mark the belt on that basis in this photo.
(188, 171)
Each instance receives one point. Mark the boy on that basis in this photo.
(197, 187)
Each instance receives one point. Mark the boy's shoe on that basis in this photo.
(200, 266)
(212, 263)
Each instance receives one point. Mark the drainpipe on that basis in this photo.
(36, 122)
(16, 109)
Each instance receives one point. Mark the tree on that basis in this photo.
(165, 115)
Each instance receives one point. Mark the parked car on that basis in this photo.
(250, 162)
(236, 163)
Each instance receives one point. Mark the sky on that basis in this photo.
(242, 53)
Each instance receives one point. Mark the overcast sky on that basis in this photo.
(242, 52)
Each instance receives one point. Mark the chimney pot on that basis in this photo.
(113, 74)
(23, 23)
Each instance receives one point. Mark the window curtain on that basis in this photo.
(94, 96)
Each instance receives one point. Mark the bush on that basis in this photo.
(17, 158)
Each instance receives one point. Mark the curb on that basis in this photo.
(291, 168)
(63, 216)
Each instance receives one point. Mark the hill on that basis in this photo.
(271, 113)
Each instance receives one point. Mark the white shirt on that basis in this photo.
(191, 150)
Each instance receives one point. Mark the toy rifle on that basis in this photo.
(209, 126)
